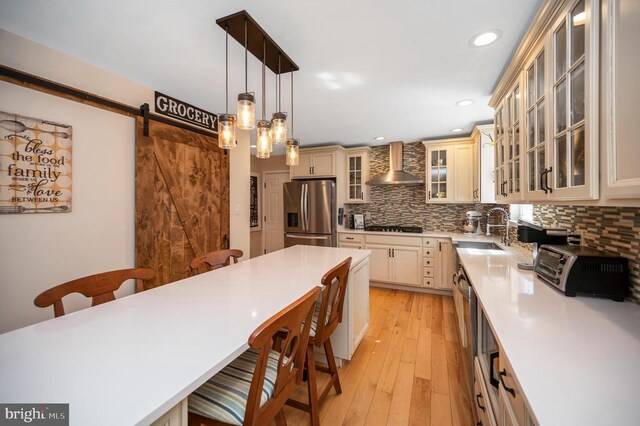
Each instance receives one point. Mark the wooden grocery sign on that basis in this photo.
(35, 165)
(172, 107)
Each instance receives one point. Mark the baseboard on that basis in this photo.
(411, 288)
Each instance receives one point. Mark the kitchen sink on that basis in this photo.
(482, 245)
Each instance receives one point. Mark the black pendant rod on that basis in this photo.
(264, 91)
(226, 67)
(246, 67)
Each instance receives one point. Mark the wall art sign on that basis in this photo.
(254, 207)
(172, 107)
(35, 165)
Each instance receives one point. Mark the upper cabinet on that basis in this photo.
(620, 91)
(450, 171)
(483, 164)
(357, 160)
(546, 108)
(316, 163)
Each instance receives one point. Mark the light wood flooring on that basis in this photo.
(407, 371)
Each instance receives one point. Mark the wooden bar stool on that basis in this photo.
(99, 287)
(326, 317)
(217, 259)
(253, 388)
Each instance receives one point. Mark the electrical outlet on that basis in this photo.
(367, 216)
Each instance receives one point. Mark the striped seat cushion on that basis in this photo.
(224, 396)
(314, 320)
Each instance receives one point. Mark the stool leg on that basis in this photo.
(312, 387)
(280, 419)
(328, 349)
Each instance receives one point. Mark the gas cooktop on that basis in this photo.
(394, 228)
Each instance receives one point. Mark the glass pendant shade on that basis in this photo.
(293, 152)
(279, 128)
(263, 142)
(246, 111)
(226, 131)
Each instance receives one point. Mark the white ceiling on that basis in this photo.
(368, 68)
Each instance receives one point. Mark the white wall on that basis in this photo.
(41, 250)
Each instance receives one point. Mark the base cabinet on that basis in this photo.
(395, 264)
(177, 416)
(438, 261)
(481, 402)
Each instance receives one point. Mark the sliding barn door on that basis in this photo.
(182, 199)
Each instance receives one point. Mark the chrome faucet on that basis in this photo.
(505, 214)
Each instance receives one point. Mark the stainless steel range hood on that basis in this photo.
(395, 175)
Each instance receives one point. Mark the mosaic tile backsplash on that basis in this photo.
(611, 229)
(406, 205)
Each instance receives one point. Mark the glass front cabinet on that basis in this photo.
(547, 123)
(357, 175)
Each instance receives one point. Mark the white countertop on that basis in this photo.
(577, 360)
(129, 361)
(454, 236)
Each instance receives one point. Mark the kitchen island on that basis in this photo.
(129, 361)
(575, 360)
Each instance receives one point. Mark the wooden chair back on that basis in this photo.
(332, 300)
(99, 287)
(217, 259)
(296, 320)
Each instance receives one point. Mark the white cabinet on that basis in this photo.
(316, 163)
(481, 398)
(483, 164)
(357, 175)
(449, 170)
(619, 118)
(395, 260)
(438, 263)
(546, 110)
(177, 416)
(350, 240)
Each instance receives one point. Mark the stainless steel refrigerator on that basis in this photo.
(309, 213)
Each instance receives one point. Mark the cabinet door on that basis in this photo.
(505, 414)
(324, 164)
(357, 175)
(619, 124)
(439, 175)
(463, 170)
(573, 145)
(444, 280)
(536, 171)
(380, 262)
(407, 267)
(303, 169)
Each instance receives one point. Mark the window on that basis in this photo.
(521, 212)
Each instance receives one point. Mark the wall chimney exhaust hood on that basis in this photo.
(395, 175)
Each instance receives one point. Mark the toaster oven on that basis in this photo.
(580, 270)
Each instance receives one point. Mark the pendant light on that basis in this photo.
(279, 119)
(226, 121)
(293, 145)
(246, 108)
(263, 142)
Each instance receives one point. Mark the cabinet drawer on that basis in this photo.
(481, 400)
(429, 262)
(393, 240)
(428, 252)
(511, 389)
(351, 238)
(429, 282)
(429, 242)
(429, 272)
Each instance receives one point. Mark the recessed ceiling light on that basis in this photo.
(485, 38)
(464, 102)
(458, 130)
(252, 146)
(379, 138)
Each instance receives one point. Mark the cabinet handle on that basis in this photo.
(389, 252)
(542, 181)
(492, 362)
(546, 180)
(505, 191)
(309, 169)
(348, 238)
(393, 252)
(503, 373)
(313, 170)
(429, 195)
(478, 396)
(439, 246)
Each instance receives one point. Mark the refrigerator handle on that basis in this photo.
(306, 207)
(302, 198)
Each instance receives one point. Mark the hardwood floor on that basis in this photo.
(407, 370)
